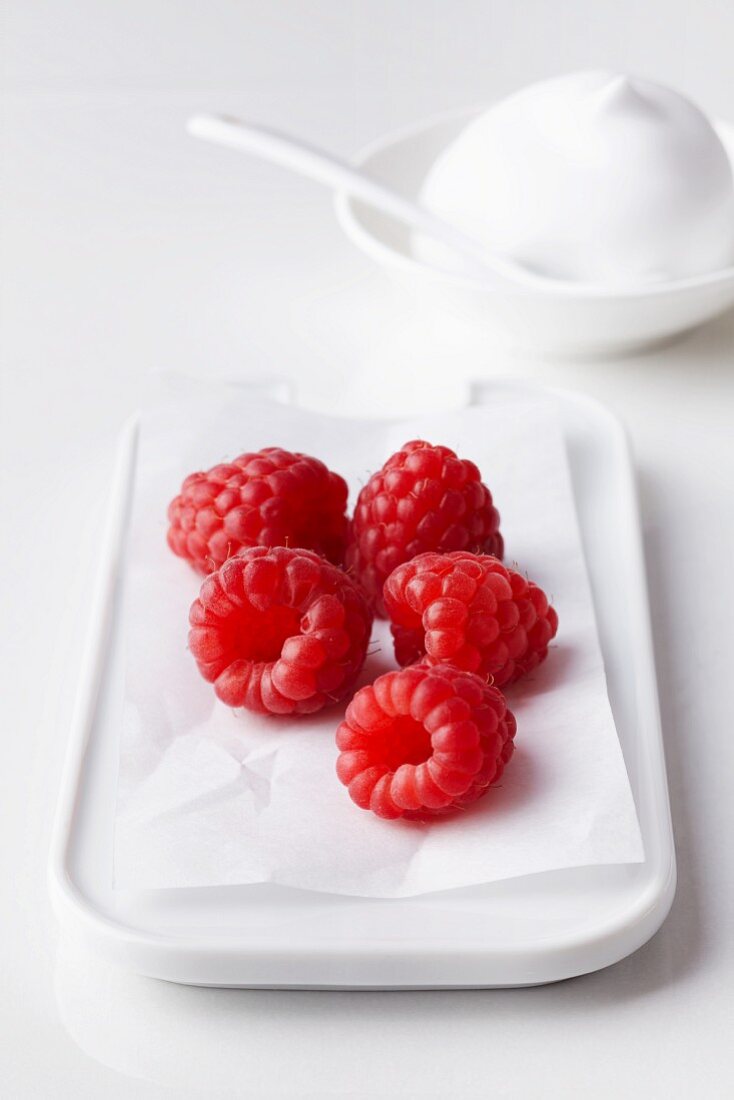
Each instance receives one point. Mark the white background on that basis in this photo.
(129, 249)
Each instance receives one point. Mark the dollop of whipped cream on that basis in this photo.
(593, 177)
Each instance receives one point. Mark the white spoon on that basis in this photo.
(317, 165)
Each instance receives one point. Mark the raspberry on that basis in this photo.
(279, 631)
(424, 498)
(423, 741)
(469, 610)
(268, 498)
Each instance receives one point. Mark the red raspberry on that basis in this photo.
(271, 498)
(423, 498)
(279, 631)
(469, 610)
(423, 741)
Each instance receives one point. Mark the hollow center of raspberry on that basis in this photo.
(405, 742)
(261, 634)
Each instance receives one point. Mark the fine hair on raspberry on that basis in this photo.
(423, 741)
(423, 499)
(469, 610)
(280, 631)
(270, 497)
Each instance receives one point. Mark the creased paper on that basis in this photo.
(208, 797)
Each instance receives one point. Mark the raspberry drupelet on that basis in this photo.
(423, 741)
(265, 498)
(469, 610)
(424, 498)
(279, 631)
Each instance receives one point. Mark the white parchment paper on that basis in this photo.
(208, 797)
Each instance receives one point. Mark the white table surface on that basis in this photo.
(129, 250)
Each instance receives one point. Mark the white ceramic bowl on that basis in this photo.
(545, 315)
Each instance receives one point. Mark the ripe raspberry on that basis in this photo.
(424, 498)
(471, 611)
(423, 741)
(268, 498)
(279, 631)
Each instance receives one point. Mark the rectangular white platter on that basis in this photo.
(521, 931)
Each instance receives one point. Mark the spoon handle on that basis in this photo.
(306, 160)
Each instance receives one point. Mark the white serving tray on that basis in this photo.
(523, 931)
